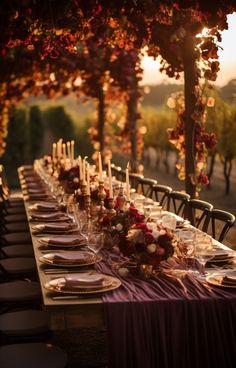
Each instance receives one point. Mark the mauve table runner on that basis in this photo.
(154, 323)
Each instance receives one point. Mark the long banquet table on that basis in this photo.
(154, 322)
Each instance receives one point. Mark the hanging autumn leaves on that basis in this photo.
(113, 33)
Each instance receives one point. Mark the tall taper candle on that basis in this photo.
(100, 167)
(68, 150)
(80, 169)
(88, 180)
(127, 184)
(64, 151)
(110, 179)
(72, 150)
(54, 151)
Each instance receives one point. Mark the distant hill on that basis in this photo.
(157, 95)
(228, 92)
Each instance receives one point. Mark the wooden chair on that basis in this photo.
(218, 223)
(24, 325)
(146, 186)
(34, 354)
(135, 181)
(178, 203)
(198, 212)
(160, 193)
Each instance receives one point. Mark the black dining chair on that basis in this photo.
(32, 355)
(135, 181)
(18, 267)
(160, 193)
(218, 224)
(20, 293)
(198, 213)
(16, 251)
(178, 203)
(146, 185)
(24, 326)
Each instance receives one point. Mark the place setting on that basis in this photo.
(83, 283)
(54, 228)
(225, 279)
(43, 207)
(62, 241)
(70, 258)
(48, 216)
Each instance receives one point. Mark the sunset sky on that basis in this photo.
(227, 58)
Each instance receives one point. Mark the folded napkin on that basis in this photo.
(37, 196)
(46, 216)
(45, 206)
(77, 281)
(54, 227)
(36, 190)
(70, 257)
(62, 240)
(229, 279)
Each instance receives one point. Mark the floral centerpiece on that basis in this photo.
(143, 243)
(149, 243)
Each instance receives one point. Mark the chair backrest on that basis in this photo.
(219, 223)
(146, 186)
(198, 211)
(178, 203)
(160, 193)
(115, 171)
(135, 181)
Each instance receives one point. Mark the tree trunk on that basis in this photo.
(101, 121)
(211, 169)
(175, 171)
(132, 120)
(227, 169)
(166, 161)
(189, 61)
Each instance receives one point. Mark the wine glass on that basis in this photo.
(95, 241)
(186, 240)
(85, 227)
(203, 249)
(169, 222)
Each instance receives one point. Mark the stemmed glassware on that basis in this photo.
(95, 241)
(203, 249)
(169, 222)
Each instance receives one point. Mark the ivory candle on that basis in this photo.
(68, 150)
(54, 151)
(127, 184)
(72, 150)
(80, 169)
(110, 179)
(88, 180)
(84, 170)
(64, 150)
(100, 167)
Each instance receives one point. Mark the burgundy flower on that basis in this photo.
(148, 238)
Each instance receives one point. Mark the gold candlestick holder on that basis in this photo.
(121, 199)
(101, 196)
(88, 205)
(111, 211)
(83, 188)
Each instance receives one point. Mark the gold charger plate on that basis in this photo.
(216, 280)
(114, 284)
(51, 262)
(39, 228)
(80, 243)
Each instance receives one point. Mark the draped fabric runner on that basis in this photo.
(160, 323)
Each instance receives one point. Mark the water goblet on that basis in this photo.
(203, 250)
(95, 241)
(169, 222)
